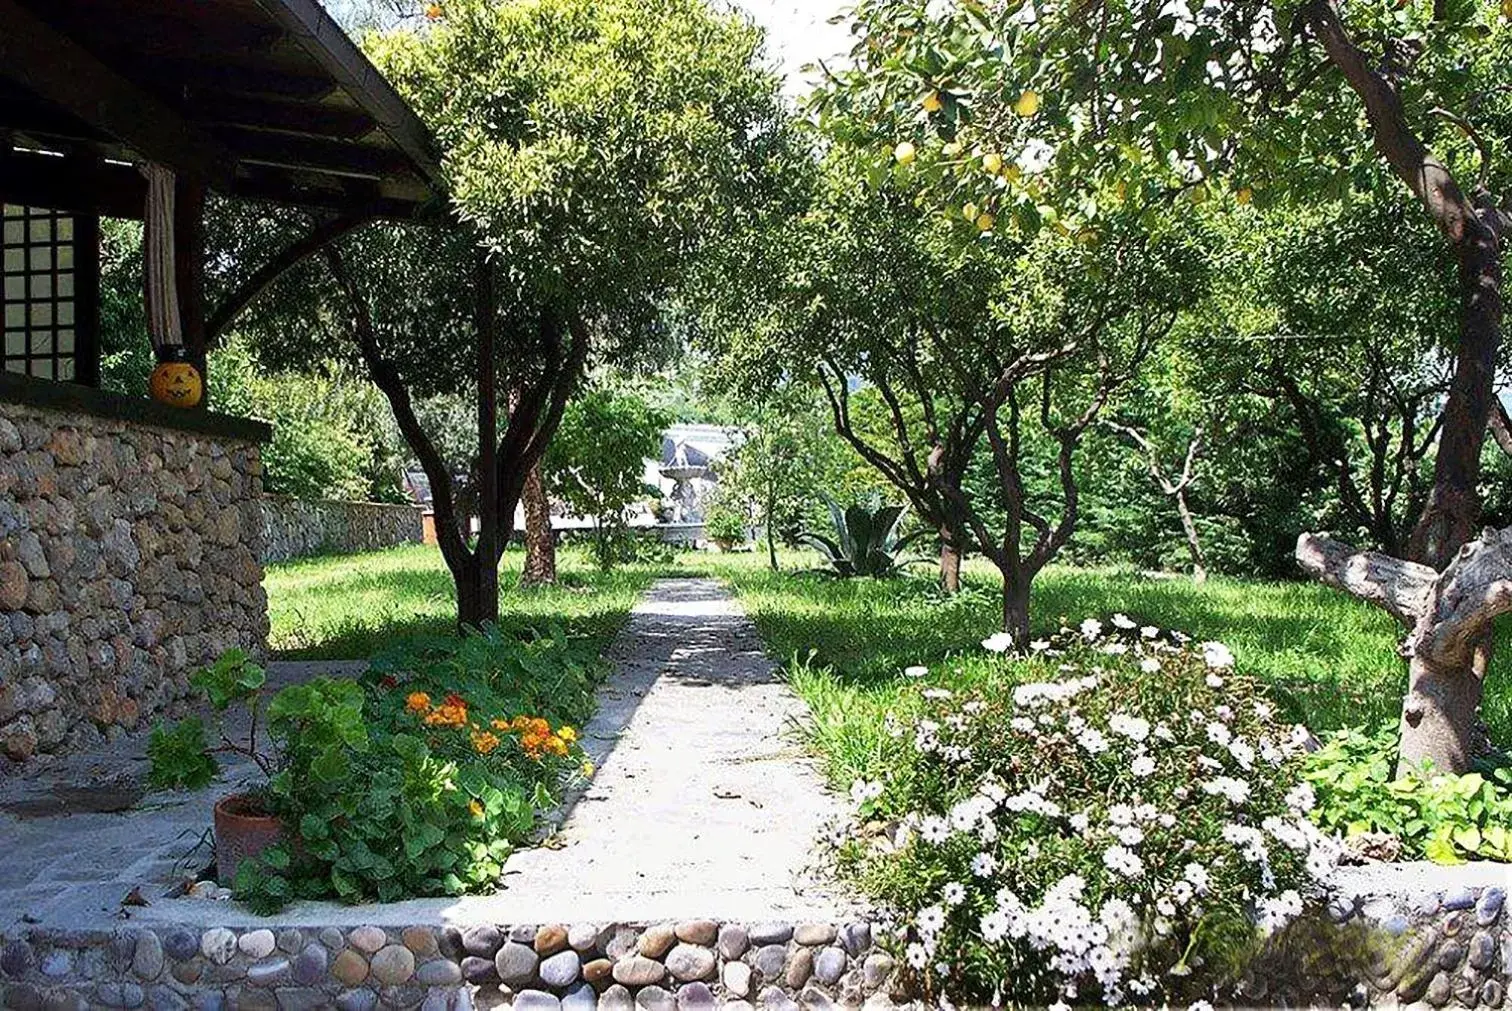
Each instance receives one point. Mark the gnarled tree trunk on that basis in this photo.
(1448, 618)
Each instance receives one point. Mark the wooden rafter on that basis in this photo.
(47, 62)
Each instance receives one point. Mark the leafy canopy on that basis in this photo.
(596, 144)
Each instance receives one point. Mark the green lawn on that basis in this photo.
(350, 606)
(1331, 660)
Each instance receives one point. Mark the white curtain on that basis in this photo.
(162, 279)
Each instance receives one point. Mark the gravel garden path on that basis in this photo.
(703, 804)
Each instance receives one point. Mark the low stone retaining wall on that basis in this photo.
(294, 528)
(1445, 946)
(682, 966)
(130, 555)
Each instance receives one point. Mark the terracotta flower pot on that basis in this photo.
(242, 831)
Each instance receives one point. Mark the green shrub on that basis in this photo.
(725, 526)
(1102, 817)
(1442, 818)
(181, 756)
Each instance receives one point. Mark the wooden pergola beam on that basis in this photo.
(234, 304)
(253, 112)
(70, 184)
(315, 154)
(50, 63)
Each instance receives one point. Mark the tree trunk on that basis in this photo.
(1439, 715)
(540, 543)
(477, 594)
(1194, 545)
(950, 564)
(1449, 615)
(1453, 508)
(1016, 610)
(771, 539)
(490, 540)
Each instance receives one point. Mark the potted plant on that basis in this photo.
(725, 527)
(182, 758)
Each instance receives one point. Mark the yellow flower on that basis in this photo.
(500, 724)
(484, 742)
(556, 746)
(587, 768)
(475, 808)
(567, 734)
(418, 702)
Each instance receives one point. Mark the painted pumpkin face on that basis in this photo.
(177, 384)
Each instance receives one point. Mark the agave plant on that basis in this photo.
(865, 541)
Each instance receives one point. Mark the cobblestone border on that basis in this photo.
(1447, 948)
(684, 966)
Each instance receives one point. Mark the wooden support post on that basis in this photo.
(189, 271)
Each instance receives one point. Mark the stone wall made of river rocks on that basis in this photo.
(130, 555)
(294, 528)
(686, 966)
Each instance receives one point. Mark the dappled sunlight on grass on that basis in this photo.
(348, 607)
(1330, 660)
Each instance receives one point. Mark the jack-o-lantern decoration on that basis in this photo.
(175, 381)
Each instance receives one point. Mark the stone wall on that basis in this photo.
(292, 528)
(689, 966)
(129, 556)
(1444, 947)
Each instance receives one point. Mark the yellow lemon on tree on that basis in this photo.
(1245, 195)
(969, 212)
(932, 102)
(1507, 9)
(986, 221)
(905, 153)
(951, 150)
(1028, 104)
(992, 162)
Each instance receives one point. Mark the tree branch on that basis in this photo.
(1402, 589)
(387, 379)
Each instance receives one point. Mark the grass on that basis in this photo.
(348, 607)
(1330, 660)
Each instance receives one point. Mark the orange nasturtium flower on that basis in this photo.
(418, 702)
(476, 808)
(451, 713)
(483, 742)
(556, 746)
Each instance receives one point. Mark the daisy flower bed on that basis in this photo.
(1121, 817)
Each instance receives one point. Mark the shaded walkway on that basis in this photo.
(703, 805)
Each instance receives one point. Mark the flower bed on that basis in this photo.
(418, 779)
(1099, 820)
